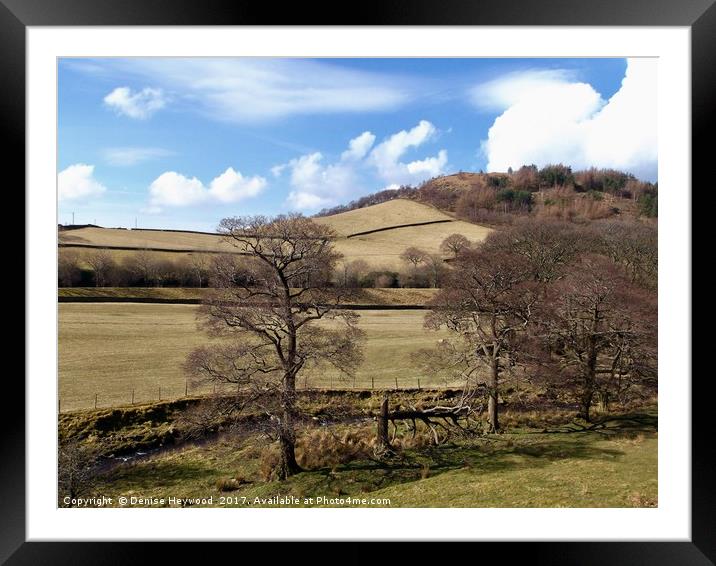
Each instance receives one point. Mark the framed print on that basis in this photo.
(297, 278)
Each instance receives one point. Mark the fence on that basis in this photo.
(173, 392)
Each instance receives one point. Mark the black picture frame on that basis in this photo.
(699, 15)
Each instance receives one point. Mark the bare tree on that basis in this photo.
(101, 262)
(68, 267)
(269, 303)
(454, 244)
(633, 245)
(165, 270)
(350, 272)
(199, 264)
(487, 300)
(414, 256)
(436, 269)
(600, 330)
(141, 265)
(548, 246)
(76, 467)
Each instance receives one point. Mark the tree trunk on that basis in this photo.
(585, 404)
(383, 440)
(287, 435)
(492, 410)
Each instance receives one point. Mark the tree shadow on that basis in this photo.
(612, 425)
(501, 453)
(157, 473)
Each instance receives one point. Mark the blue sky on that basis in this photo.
(182, 143)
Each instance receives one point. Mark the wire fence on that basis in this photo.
(173, 392)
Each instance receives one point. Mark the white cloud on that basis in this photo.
(307, 201)
(232, 186)
(318, 184)
(315, 184)
(276, 170)
(509, 89)
(77, 181)
(358, 147)
(139, 105)
(548, 119)
(253, 90)
(386, 156)
(430, 166)
(174, 189)
(122, 156)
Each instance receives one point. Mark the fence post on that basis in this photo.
(372, 382)
(383, 441)
(95, 400)
(59, 405)
(418, 384)
(186, 388)
(160, 392)
(132, 396)
(396, 383)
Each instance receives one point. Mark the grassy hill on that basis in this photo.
(392, 227)
(388, 214)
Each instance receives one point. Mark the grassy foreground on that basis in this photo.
(612, 466)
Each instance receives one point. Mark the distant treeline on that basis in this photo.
(498, 197)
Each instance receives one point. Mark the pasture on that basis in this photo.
(363, 297)
(110, 349)
(615, 466)
(384, 215)
(380, 250)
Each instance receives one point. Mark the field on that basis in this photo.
(363, 297)
(110, 349)
(392, 213)
(141, 239)
(612, 466)
(380, 249)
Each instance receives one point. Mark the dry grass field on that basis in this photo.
(392, 213)
(141, 239)
(110, 349)
(379, 250)
(377, 297)
(383, 249)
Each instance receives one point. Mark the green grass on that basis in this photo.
(611, 467)
(111, 349)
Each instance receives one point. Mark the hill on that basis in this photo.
(376, 234)
(389, 214)
(554, 192)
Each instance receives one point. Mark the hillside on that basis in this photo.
(553, 192)
(388, 214)
(142, 239)
(376, 234)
